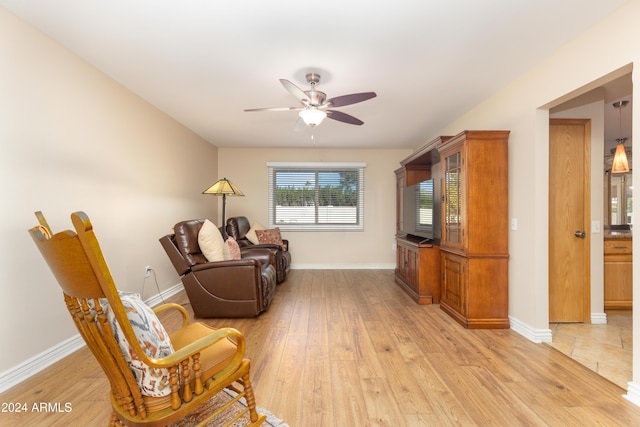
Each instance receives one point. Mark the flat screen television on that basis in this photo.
(422, 211)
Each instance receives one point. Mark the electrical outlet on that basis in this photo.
(147, 271)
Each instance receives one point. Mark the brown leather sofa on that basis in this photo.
(239, 226)
(233, 288)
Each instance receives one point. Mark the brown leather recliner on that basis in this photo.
(239, 226)
(233, 288)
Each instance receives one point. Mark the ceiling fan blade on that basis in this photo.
(343, 117)
(295, 90)
(276, 109)
(354, 98)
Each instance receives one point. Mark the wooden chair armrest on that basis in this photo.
(197, 346)
(172, 306)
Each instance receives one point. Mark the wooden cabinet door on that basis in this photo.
(453, 199)
(618, 274)
(454, 282)
(401, 268)
(412, 269)
(618, 282)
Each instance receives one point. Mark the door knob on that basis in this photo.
(580, 234)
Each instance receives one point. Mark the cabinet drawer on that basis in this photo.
(617, 246)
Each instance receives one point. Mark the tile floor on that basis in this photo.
(605, 349)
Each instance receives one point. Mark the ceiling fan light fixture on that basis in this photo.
(312, 116)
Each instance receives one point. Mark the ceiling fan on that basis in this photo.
(315, 105)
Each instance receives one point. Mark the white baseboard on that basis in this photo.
(37, 363)
(343, 266)
(598, 318)
(159, 298)
(633, 393)
(545, 335)
(532, 334)
(30, 367)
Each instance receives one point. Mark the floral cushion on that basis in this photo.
(271, 235)
(153, 338)
(232, 249)
(211, 242)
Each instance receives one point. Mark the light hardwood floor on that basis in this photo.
(349, 348)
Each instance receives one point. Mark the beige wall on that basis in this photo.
(72, 139)
(371, 248)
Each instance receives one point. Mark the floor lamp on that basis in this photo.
(223, 187)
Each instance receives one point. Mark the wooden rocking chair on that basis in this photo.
(201, 363)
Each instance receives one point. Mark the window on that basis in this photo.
(316, 196)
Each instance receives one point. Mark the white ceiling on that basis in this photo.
(203, 61)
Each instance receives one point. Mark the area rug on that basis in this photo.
(220, 399)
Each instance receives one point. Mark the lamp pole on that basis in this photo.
(224, 205)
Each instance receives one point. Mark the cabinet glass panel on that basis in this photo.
(453, 199)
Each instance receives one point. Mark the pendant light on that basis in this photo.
(620, 162)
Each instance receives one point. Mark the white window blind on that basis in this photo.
(424, 202)
(316, 196)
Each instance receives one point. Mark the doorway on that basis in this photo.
(569, 217)
(603, 344)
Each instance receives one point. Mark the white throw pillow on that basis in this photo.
(211, 242)
(251, 234)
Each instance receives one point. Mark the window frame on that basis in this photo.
(316, 167)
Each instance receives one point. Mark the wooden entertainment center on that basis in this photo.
(467, 272)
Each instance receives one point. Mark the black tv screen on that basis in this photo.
(422, 211)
